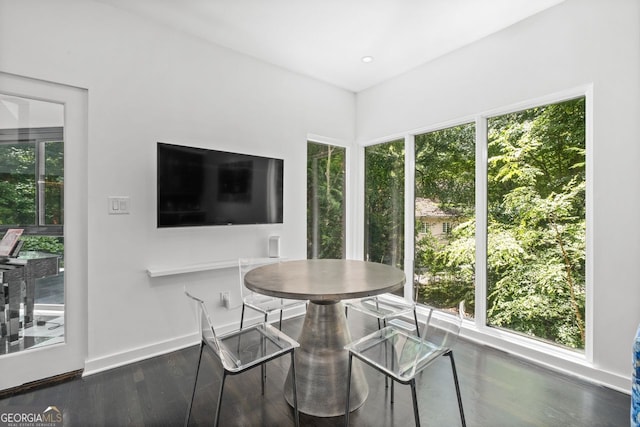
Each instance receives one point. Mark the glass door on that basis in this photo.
(43, 299)
(32, 223)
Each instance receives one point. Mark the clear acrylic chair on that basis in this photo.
(401, 356)
(241, 350)
(258, 302)
(384, 309)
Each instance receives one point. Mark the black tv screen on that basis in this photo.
(197, 186)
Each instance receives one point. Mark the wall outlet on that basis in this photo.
(225, 299)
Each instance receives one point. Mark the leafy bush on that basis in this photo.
(49, 244)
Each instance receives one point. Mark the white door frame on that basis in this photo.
(48, 361)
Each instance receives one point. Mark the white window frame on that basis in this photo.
(514, 341)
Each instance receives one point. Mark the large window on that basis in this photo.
(536, 222)
(444, 268)
(325, 201)
(535, 225)
(384, 204)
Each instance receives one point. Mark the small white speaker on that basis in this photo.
(274, 246)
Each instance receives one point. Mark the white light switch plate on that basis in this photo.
(118, 205)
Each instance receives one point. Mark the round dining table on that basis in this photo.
(321, 360)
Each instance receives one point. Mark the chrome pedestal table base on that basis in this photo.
(321, 361)
(322, 364)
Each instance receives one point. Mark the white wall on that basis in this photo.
(579, 42)
(145, 84)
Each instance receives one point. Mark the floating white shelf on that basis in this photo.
(193, 268)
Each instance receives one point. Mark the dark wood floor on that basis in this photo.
(497, 390)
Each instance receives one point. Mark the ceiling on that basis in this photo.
(327, 39)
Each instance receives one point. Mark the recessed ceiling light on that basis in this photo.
(367, 59)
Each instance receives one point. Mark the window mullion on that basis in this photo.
(409, 214)
(481, 223)
(40, 183)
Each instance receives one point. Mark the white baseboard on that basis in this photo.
(115, 360)
(581, 370)
(545, 355)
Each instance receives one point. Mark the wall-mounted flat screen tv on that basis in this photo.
(197, 187)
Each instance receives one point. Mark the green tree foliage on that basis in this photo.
(54, 183)
(536, 215)
(48, 244)
(446, 269)
(18, 191)
(445, 174)
(445, 167)
(17, 184)
(384, 203)
(536, 220)
(325, 201)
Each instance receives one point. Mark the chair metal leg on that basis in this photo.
(219, 405)
(346, 408)
(280, 325)
(195, 383)
(242, 316)
(263, 367)
(392, 389)
(386, 379)
(415, 318)
(415, 402)
(295, 390)
(455, 380)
